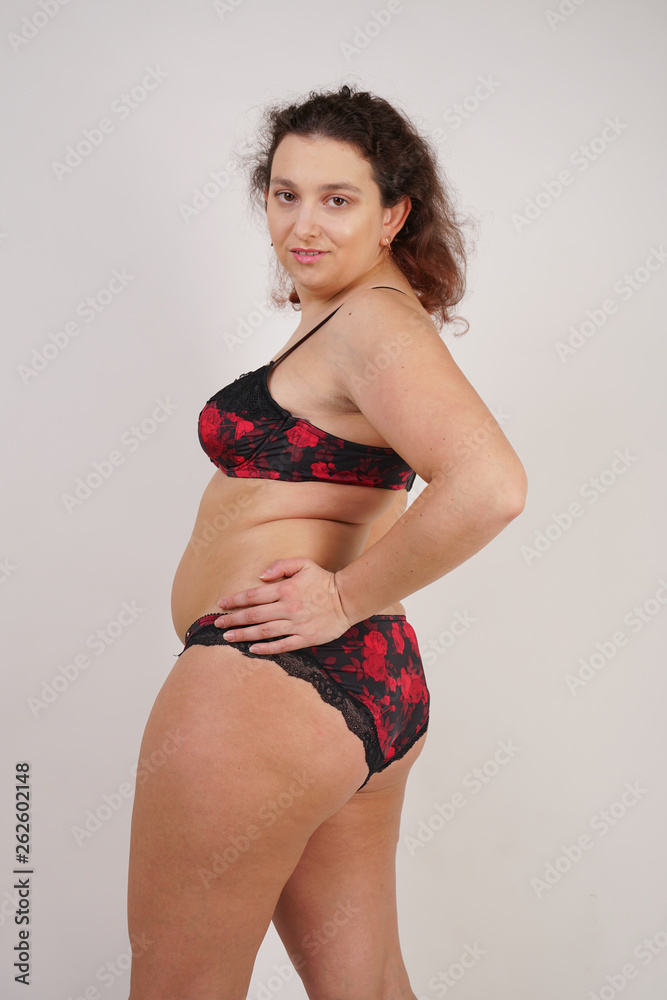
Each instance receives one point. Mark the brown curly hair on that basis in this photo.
(430, 248)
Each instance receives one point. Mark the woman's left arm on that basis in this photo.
(426, 409)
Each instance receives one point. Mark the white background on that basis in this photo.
(474, 878)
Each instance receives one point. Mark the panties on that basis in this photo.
(373, 674)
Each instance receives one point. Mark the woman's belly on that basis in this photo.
(243, 525)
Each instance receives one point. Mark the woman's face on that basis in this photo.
(322, 197)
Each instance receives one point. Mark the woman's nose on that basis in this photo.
(306, 223)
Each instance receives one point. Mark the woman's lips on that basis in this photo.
(308, 258)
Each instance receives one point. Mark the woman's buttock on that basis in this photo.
(372, 674)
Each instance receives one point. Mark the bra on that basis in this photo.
(247, 435)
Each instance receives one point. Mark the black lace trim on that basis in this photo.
(244, 395)
(300, 663)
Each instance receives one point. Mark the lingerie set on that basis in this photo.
(373, 673)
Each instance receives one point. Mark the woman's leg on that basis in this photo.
(218, 828)
(337, 913)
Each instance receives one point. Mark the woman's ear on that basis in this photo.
(398, 213)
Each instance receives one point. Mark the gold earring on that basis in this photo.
(387, 243)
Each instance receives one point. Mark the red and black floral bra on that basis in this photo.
(248, 435)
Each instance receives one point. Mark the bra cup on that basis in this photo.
(247, 434)
(243, 395)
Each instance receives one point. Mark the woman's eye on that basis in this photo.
(287, 196)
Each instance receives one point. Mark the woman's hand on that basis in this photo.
(299, 601)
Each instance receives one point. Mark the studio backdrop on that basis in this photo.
(135, 282)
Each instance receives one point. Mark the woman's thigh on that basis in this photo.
(337, 913)
(254, 762)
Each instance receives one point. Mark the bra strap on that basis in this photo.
(305, 336)
(315, 328)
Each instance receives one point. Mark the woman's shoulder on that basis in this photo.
(374, 315)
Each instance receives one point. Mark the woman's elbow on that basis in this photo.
(514, 493)
(502, 497)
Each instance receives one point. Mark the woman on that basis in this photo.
(299, 704)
